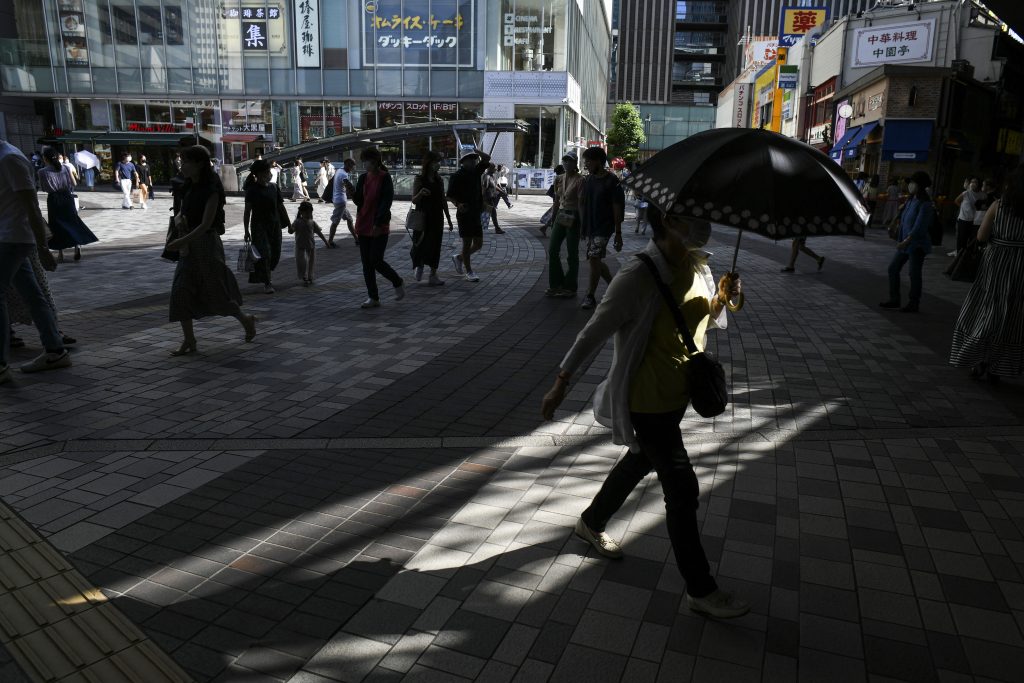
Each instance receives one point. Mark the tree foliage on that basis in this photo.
(626, 133)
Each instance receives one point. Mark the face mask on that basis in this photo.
(699, 235)
(912, 188)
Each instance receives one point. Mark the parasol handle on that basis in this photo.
(738, 304)
(736, 253)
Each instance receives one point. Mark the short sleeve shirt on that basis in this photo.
(126, 169)
(340, 196)
(16, 175)
(601, 193)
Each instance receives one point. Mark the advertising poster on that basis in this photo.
(798, 22)
(72, 32)
(438, 33)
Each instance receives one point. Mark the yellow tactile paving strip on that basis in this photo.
(60, 628)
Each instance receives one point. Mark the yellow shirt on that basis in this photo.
(659, 384)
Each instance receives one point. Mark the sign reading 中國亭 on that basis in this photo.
(894, 44)
(418, 33)
(307, 33)
(798, 22)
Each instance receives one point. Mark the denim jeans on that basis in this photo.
(371, 251)
(557, 277)
(16, 271)
(90, 177)
(899, 259)
(661, 445)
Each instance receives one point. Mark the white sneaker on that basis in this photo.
(718, 604)
(602, 542)
(952, 253)
(457, 260)
(267, 289)
(48, 361)
(399, 292)
(145, 208)
(370, 303)
(419, 273)
(471, 277)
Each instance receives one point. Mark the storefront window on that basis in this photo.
(311, 121)
(542, 144)
(533, 35)
(335, 117)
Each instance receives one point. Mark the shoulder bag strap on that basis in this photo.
(673, 307)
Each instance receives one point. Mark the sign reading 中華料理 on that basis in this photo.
(894, 44)
(418, 33)
(798, 22)
(307, 33)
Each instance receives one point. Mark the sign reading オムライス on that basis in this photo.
(894, 44)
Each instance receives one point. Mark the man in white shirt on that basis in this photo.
(965, 229)
(22, 231)
(342, 186)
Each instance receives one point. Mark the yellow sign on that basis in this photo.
(799, 21)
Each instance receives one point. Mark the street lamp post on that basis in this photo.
(647, 125)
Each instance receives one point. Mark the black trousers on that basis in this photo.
(662, 450)
(371, 252)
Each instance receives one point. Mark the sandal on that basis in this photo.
(187, 348)
(250, 329)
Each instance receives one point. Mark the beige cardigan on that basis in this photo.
(627, 311)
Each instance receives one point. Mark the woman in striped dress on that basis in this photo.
(989, 333)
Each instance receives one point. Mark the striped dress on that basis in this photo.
(990, 328)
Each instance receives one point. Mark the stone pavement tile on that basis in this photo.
(584, 663)
(830, 635)
(607, 632)
(472, 633)
(451, 661)
(497, 599)
(816, 665)
(347, 657)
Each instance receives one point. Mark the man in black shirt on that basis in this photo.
(464, 190)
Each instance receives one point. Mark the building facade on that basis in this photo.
(761, 20)
(250, 76)
(669, 61)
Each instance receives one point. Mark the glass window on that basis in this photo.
(311, 121)
(533, 35)
(123, 17)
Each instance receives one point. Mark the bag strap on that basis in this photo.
(673, 307)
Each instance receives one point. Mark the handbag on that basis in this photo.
(247, 257)
(964, 267)
(172, 234)
(565, 218)
(546, 217)
(705, 375)
(415, 220)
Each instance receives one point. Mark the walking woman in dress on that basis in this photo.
(203, 284)
(67, 228)
(428, 197)
(263, 219)
(299, 191)
(989, 333)
(322, 181)
(20, 313)
(375, 191)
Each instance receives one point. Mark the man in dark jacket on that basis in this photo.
(464, 190)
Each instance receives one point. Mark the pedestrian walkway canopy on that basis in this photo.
(380, 136)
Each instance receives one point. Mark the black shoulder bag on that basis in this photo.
(705, 375)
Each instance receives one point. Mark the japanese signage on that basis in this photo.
(72, 32)
(787, 105)
(741, 105)
(875, 101)
(390, 113)
(307, 33)
(894, 44)
(251, 128)
(254, 29)
(425, 33)
(789, 77)
(798, 22)
(760, 52)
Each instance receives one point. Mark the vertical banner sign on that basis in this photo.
(72, 31)
(307, 33)
(798, 22)
(741, 105)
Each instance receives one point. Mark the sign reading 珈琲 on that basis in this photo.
(307, 33)
(798, 22)
(894, 44)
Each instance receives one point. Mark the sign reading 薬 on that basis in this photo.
(798, 22)
(894, 44)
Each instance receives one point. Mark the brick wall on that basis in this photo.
(929, 98)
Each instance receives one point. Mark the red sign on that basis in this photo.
(151, 128)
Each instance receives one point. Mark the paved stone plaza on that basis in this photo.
(372, 496)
